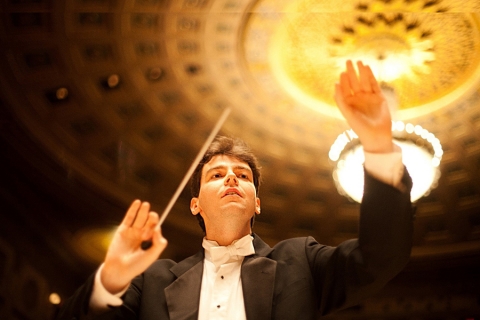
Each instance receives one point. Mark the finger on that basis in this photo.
(364, 77)
(150, 225)
(142, 215)
(339, 99)
(158, 240)
(153, 237)
(344, 87)
(131, 213)
(373, 81)
(352, 77)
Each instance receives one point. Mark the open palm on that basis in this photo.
(361, 102)
(125, 257)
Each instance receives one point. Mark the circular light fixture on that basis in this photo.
(54, 298)
(61, 93)
(421, 154)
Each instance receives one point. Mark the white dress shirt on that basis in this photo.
(221, 294)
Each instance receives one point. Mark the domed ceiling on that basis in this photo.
(122, 94)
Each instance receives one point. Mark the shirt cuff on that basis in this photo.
(101, 299)
(386, 167)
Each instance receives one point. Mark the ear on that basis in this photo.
(257, 205)
(194, 206)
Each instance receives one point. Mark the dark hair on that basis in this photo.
(228, 146)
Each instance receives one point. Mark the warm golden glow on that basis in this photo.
(92, 244)
(429, 55)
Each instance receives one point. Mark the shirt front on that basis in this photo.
(221, 294)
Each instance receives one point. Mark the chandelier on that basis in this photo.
(421, 154)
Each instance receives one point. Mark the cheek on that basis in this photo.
(251, 194)
(205, 197)
(250, 189)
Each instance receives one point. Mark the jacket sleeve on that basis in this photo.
(356, 269)
(76, 307)
(155, 278)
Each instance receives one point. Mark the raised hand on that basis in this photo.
(125, 257)
(361, 102)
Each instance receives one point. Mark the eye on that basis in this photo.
(216, 175)
(243, 176)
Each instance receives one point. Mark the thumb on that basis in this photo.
(158, 241)
(158, 238)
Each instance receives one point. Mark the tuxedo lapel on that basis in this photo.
(258, 271)
(183, 295)
(258, 280)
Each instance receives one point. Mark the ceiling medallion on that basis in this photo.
(429, 52)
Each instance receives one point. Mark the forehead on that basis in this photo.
(224, 161)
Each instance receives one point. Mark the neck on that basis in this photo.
(225, 237)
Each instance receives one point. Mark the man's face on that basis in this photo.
(227, 193)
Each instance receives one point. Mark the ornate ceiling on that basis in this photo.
(121, 94)
(298, 48)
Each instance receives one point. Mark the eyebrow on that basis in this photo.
(242, 167)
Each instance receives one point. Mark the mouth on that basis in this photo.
(231, 192)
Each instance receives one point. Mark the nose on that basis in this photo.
(231, 179)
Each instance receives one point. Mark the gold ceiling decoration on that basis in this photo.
(426, 51)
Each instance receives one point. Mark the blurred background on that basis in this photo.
(106, 101)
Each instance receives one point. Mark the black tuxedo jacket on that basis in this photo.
(296, 279)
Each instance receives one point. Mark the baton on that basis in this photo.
(181, 186)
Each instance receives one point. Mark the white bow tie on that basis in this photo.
(239, 248)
